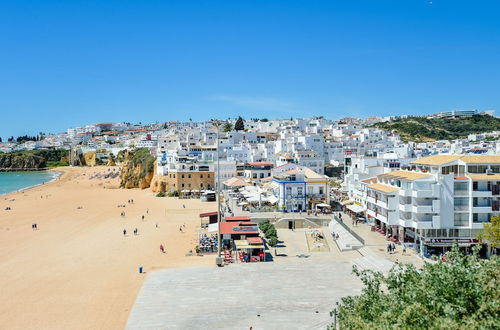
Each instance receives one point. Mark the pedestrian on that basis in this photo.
(404, 248)
(389, 248)
(393, 247)
(337, 236)
(33, 226)
(147, 211)
(142, 217)
(162, 249)
(156, 225)
(135, 231)
(36, 226)
(180, 229)
(124, 232)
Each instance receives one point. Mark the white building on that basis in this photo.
(446, 198)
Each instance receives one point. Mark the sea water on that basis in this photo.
(14, 181)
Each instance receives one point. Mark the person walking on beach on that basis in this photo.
(142, 217)
(124, 232)
(135, 231)
(162, 249)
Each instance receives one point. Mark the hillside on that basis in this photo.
(422, 129)
(34, 159)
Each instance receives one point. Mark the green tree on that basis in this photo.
(461, 292)
(239, 125)
(491, 233)
(228, 127)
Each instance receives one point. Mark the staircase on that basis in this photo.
(346, 240)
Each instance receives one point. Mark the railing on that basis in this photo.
(359, 238)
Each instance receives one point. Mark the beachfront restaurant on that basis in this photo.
(242, 237)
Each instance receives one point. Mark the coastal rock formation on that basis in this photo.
(138, 169)
(159, 183)
(89, 158)
(21, 161)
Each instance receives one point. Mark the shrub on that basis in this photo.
(273, 241)
(264, 225)
(161, 194)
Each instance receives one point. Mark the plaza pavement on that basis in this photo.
(294, 295)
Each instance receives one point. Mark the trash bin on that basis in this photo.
(140, 269)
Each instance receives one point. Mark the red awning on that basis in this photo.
(240, 218)
(235, 228)
(208, 214)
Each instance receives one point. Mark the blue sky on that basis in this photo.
(69, 63)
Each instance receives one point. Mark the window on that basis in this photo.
(475, 185)
(201, 176)
(321, 190)
(189, 176)
(254, 176)
(462, 219)
(300, 191)
(182, 176)
(182, 185)
(208, 176)
(201, 184)
(261, 175)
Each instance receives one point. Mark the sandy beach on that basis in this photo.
(78, 270)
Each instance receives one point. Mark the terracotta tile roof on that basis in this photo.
(405, 175)
(383, 188)
(484, 177)
(369, 180)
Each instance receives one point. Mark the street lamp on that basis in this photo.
(217, 124)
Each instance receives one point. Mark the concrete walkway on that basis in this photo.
(378, 244)
(297, 295)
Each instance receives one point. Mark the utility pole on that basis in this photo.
(219, 247)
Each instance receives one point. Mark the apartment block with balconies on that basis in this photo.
(441, 199)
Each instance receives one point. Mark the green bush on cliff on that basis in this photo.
(138, 164)
(34, 159)
(420, 128)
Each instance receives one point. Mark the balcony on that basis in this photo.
(422, 193)
(421, 224)
(382, 204)
(436, 206)
(381, 217)
(482, 209)
(405, 207)
(422, 209)
(405, 192)
(482, 193)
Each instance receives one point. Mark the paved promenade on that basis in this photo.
(295, 295)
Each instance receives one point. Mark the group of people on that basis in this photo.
(136, 232)
(207, 243)
(391, 247)
(34, 226)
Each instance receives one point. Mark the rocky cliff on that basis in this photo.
(138, 169)
(21, 161)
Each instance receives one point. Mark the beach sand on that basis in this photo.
(78, 271)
